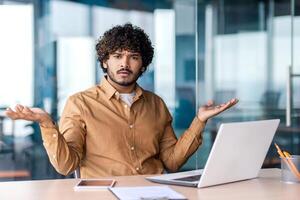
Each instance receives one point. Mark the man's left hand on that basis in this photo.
(209, 110)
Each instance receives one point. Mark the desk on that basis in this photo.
(268, 186)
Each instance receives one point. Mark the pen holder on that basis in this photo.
(290, 169)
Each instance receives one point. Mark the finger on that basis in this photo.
(26, 114)
(18, 108)
(210, 103)
(218, 107)
(9, 110)
(29, 115)
(233, 100)
(229, 104)
(28, 111)
(11, 114)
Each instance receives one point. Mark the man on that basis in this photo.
(117, 128)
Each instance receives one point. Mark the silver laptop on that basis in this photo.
(237, 154)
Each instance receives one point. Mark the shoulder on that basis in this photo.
(78, 101)
(90, 92)
(155, 101)
(80, 98)
(158, 105)
(152, 97)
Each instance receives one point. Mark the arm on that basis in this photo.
(174, 153)
(65, 146)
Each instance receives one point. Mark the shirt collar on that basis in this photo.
(139, 92)
(110, 91)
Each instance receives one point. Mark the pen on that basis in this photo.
(286, 158)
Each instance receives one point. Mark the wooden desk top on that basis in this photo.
(268, 186)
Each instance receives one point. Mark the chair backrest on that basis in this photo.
(270, 99)
(77, 173)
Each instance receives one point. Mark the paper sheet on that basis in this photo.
(146, 193)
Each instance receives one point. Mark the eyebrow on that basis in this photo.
(135, 54)
(132, 54)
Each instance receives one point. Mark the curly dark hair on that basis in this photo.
(126, 37)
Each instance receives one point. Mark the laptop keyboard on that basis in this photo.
(189, 178)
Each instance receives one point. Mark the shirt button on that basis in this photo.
(132, 148)
(54, 135)
(54, 156)
(131, 126)
(125, 106)
(137, 169)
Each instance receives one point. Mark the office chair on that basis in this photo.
(77, 173)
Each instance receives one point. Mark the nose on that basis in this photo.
(125, 62)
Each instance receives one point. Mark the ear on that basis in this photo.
(104, 65)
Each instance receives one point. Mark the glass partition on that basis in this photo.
(249, 47)
(203, 50)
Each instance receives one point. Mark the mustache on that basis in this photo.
(124, 70)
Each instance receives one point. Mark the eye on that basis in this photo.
(135, 57)
(117, 56)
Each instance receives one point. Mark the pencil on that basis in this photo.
(288, 156)
(288, 162)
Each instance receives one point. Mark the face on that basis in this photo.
(124, 67)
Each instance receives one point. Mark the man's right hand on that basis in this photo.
(30, 114)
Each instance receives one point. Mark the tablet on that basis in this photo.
(94, 184)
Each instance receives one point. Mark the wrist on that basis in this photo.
(203, 120)
(47, 123)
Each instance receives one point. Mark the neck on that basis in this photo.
(121, 88)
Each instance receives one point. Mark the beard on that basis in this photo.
(132, 78)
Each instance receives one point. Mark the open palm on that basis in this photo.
(209, 110)
(26, 113)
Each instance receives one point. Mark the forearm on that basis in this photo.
(63, 156)
(178, 151)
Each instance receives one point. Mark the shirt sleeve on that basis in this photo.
(175, 152)
(65, 145)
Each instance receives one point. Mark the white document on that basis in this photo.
(146, 193)
(94, 184)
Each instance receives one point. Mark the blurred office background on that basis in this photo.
(204, 49)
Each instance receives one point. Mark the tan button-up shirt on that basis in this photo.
(105, 137)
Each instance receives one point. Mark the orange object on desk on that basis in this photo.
(287, 159)
(14, 174)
